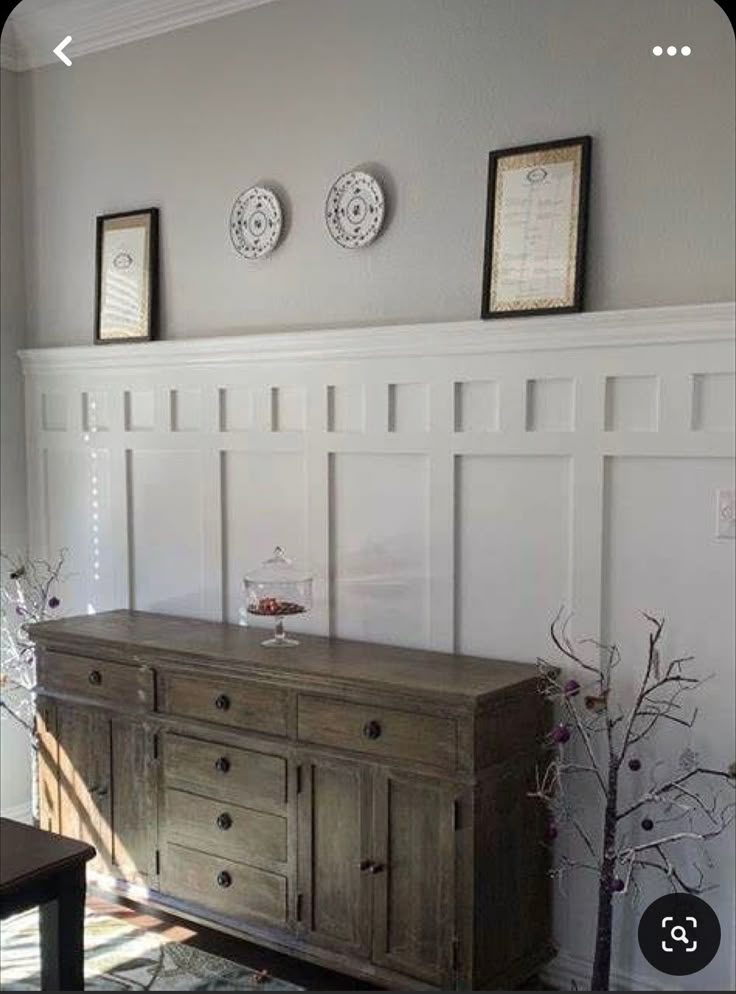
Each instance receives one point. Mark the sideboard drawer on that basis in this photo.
(235, 703)
(234, 889)
(226, 773)
(97, 680)
(224, 828)
(379, 731)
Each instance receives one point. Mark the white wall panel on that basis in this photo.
(264, 495)
(451, 485)
(380, 547)
(512, 552)
(663, 557)
(77, 518)
(166, 531)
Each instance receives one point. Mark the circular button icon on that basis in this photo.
(679, 934)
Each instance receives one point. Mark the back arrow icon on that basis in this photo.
(59, 51)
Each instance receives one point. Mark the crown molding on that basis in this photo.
(34, 29)
(697, 324)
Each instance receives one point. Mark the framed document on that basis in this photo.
(535, 228)
(126, 298)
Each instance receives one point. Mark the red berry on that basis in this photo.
(617, 884)
(647, 824)
(634, 764)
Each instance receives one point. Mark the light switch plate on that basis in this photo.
(726, 511)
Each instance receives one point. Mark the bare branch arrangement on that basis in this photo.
(29, 594)
(598, 738)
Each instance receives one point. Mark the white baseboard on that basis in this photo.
(19, 812)
(567, 969)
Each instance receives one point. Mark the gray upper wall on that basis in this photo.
(295, 92)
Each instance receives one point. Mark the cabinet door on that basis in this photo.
(413, 898)
(134, 808)
(333, 903)
(85, 808)
(106, 788)
(48, 766)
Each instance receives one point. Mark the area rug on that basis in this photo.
(121, 955)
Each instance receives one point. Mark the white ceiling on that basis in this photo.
(35, 27)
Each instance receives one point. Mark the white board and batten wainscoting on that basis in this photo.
(451, 485)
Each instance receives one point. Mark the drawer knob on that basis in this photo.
(222, 702)
(372, 730)
(222, 764)
(224, 821)
(224, 879)
(365, 864)
(95, 678)
(375, 868)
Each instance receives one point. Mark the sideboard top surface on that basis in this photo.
(466, 678)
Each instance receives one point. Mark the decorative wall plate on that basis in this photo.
(255, 222)
(355, 209)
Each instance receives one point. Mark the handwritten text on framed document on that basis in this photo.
(535, 228)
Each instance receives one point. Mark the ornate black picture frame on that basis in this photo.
(126, 277)
(536, 227)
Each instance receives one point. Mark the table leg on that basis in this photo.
(62, 934)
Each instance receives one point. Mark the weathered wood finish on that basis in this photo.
(235, 889)
(225, 772)
(48, 765)
(98, 681)
(335, 843)
(85, 808)
(217, 826)
(378, 731)
(361, 806)
(414, 895)
(134, 829)
(227, 702)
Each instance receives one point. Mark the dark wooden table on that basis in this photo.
(41, 868)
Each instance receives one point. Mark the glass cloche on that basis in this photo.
(275, 589)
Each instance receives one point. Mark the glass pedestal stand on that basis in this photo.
(279, 636)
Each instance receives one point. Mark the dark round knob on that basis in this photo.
(375, 868)
(222, 764)
(372, 730)
(224, 821)
(365, 864)
(95, 678)
(224, 879)
(222, 702)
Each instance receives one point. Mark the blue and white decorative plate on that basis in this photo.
(355, 209)
(255, 222)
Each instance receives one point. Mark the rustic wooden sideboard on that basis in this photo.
(361, 806)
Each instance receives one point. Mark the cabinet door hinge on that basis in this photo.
(299, 779)
(158, 861)
(154, 745)
(299, 906)
(456, 814)
(454, 953)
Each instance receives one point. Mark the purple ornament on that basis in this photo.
(54, 602)
(571, 688)
(20, 611)
(561, 733)
(647, 824)
(617, 884)
(550, 832)
(634, 764)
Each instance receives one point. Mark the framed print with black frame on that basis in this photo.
(126, 279)
(536, 223)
